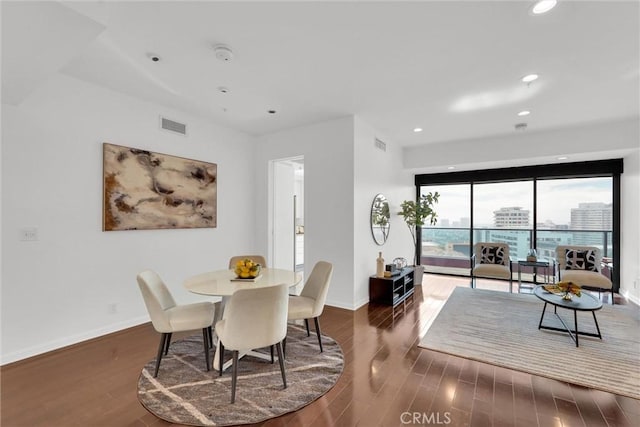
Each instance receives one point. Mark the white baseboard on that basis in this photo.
(634, 299)
(339, 305)
(63, 342)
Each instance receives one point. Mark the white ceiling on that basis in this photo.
(451, 68)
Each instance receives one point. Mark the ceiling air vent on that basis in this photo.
(173, 126)
(380, 145)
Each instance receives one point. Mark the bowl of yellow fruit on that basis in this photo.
(247, 269)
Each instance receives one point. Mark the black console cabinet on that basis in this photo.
(391, 290)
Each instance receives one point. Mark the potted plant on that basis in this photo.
(415, 215)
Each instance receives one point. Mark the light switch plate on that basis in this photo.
(29, 234)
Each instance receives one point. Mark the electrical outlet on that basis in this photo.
(112, 308)
(29, 234)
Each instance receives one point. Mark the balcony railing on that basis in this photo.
(448, 250)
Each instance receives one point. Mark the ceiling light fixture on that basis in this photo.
(524, 113)
(543, 6)
(153, 57)
(271, 111)
(562, 158)
(451, 167)
(223, 89)
(530, 77)
(417, 130)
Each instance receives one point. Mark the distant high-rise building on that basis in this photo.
(591, 216)
(444, 222)
(511, 217)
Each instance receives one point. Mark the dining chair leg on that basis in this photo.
(221, 359)
(281, 360)
(166, 344)
(210, 331)
(205, 341)
(306, 323)
(234, 376)
(317, 321)
(271, 353)
(163, 339)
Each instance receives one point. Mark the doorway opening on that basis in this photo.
(286, 222)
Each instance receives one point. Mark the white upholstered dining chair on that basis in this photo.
(253, 318)
(310, 303)
(491, 260)
(168, 317)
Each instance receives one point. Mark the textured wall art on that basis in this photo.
(144, 190)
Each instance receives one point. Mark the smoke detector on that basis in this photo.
(223, 52)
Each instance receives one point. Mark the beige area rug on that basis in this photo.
(185, 393)
(502, 329)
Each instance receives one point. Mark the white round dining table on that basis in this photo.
(223, 283)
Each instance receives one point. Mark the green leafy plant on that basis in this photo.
(416, 214)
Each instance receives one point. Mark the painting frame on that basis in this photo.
(147, 190)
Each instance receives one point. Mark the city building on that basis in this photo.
(597, 217)
(511, 217)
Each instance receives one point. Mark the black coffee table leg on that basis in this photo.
(575, 324)
(596, 322)
(542, 317)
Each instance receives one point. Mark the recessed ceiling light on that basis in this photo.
(153, 57)
(417, 130)
(562, 158)
(543, 6)
(271, 111)
(451, 167)
(529, 78)
(524, 113)
(223, 89)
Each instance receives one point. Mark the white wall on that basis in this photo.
(57, 290)
(630, 225)
(328, 204)
(343, 171)
(376, 172)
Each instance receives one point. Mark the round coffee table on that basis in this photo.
(585, 302)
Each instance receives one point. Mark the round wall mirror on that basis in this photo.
(380, 219)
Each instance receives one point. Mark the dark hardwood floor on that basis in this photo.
(387, 380)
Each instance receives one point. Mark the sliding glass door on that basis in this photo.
(445, 247)
(503, 213)
(537, 207)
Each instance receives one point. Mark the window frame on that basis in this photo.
(612, 168)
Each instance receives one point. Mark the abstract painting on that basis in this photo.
(144, 190)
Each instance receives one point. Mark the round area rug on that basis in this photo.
(185, 393)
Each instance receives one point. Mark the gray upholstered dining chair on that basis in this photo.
(582, 265)
(310, 303)
(253, 318)
(168, 317)
(259, 259)
(491, 260)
